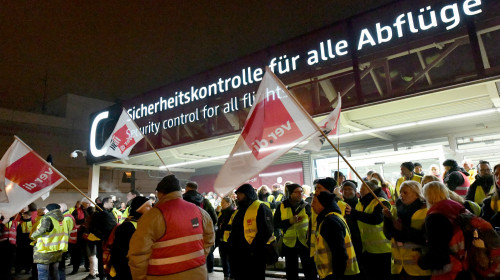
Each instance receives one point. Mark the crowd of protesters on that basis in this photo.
(339, 229)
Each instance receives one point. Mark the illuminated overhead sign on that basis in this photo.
(192, 104)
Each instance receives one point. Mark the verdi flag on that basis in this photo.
(24, 177)
(124, 137)
(275, 124)
(329, 127)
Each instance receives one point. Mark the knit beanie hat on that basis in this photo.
(417, 164)
(292, 187)
(52, 206)
(329, 183)
(248, 190)
(451, 163)
(168, 184)
(409, 165)
(327, 200)
(137, 202)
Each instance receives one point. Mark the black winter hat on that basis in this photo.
(292, 187)
(417, 164)
(248, 190)
(137, 202)
(409, 165)
(168, 184)
(53, 206)
(450, 162)
(329, 183)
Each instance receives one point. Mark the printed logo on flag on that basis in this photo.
(31, 174)
(122, 139)
(270, 125)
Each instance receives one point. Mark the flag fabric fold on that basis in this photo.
(124, 137)
(328, 125)
(24, 177)
(275, 124)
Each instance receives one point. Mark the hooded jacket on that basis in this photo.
(47, 226)
(453, 178)
(197, 199)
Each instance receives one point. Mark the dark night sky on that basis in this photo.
(113, 50)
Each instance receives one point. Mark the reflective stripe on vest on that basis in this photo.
(372, 236)
(462, 189)
(71, 224)
(297, 230)
(13, 231)
(249, 222)
(181, 247)
(312, 234)
(323, 256)
(405, 254)
(26, 226)
(56, 240)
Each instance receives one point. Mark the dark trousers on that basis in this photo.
(210, 260)
(377, 266)
(100, 264)
(224, 258)
(247, 266)
(7, 254)
(292, 262)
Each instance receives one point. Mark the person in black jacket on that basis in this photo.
(292, 217)
(123, 233)
(483, 184)
(247, 249)
(226, 211)
(349, 192)
(192, 195)
(101, 225)
(456, 178)
(491, 205)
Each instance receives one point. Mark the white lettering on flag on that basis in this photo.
(124, 137)
(24, 177)
(275, 124)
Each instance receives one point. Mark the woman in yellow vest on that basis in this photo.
(334, 253)
(292, 217)
(405, 229)
(222, 234)
(376, 256)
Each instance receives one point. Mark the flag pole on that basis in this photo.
(338, 156)
(60, 174)
(326, 137)
(149, 142)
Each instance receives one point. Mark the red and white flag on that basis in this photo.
(24, 177)
(275, 124)
(124, 137)
(328, 125)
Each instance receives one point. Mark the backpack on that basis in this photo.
(482, 245)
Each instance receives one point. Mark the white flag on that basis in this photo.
(24, 177)
(275, 124)
(328, 125)
(124, 137)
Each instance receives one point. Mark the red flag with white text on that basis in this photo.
(24, 177)
(275, 124)
(124, 137)
(328, 125)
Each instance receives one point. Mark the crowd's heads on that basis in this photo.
(248, 191)
(369, 174)
(107, 202)
(411, 188)
(276, 187)
(324, 200)
(85, 202)
(295, 192)
(435, 192)
(467, 164)
(226, 202)
(418, 167)
(131, 194)
(434, 170)
(52, 207)
(349, 189)
(32, 207)
(327, 183)
(484, 169)
(450, 164)
(264, 189)
(168, 184)
(339, 176)
(306, 189)
(429, 178)
(191, 186)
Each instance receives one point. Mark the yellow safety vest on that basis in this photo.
(372, 236)
(405, 255)
(342, 205)
(56, 240)
(323, 255)
(26, 226)
(249, 222)
(495, 204)
(415, 177)
(279, 197)
(480, 195)
(297, 230)
(118, 215)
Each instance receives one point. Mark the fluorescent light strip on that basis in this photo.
(366, 131)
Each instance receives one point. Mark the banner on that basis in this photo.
(275, 124)
(124, 137)
(24, 177)
(328, 125)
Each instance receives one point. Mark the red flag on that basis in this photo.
(275, 124)
(24, 177)
(124, 137)
(328, 125)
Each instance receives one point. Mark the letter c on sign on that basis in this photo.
(93, 149)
